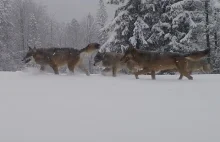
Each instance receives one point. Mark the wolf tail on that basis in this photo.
(197, 55)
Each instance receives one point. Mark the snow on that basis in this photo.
(112, 38)
(216, 4)
(180, 4)
(187, 37)
(120, 16)
(138, 31)
(43, 107)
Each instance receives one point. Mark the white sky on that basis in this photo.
(66, 10)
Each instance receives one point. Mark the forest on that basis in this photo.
(152, 25)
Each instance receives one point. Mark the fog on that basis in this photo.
(65, 10)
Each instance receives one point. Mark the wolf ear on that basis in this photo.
(29, 48)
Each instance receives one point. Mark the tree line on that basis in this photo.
(153, 25)
(166, 25)
(26, 23)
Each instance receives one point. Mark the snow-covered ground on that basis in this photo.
(38, 107)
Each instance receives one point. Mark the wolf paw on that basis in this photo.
(190, 78)
(88, 74)
(136, 76)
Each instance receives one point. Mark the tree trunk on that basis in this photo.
(51, 33)
(216, 40)
(22, 26)
(138, 43)
(215, 34)
(207, 26)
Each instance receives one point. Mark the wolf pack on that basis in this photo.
(137, 62)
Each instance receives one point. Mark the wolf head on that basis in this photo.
(29, 55)
(128, 55)
(99, 57)
(90, 48)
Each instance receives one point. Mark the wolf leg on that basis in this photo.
(181, 76)
(106, 70)
(186, 74)
(114, 70)
(143, 71)
(42, 68)
(190, 72)
(153, 75)
(84, 69)
(136, 76)
(71, 67)
(181, 66)
(55, 68)
(207, 68)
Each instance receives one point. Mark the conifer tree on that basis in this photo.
(101, 19)
(128, 26)
(33, 39)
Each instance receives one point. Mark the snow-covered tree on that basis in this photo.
(90, 29)
(155, 24)
(73, 33)
(212, 13)
(19, 19)
(128, 26)
(116, 1)
(90, 35)
(34, 39)
(6, 36)
(172, 24)
(5, 23)
(101, 19)
(159, 25)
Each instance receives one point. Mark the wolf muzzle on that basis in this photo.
(26, 60)
(98, 63)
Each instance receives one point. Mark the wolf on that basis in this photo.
(111, 63)
(158, 61)
(57, 57)
(192, 66)
(201, 66)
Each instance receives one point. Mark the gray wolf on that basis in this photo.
(111, 63)
(158, 61)
(57, 57)
(201, 66)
